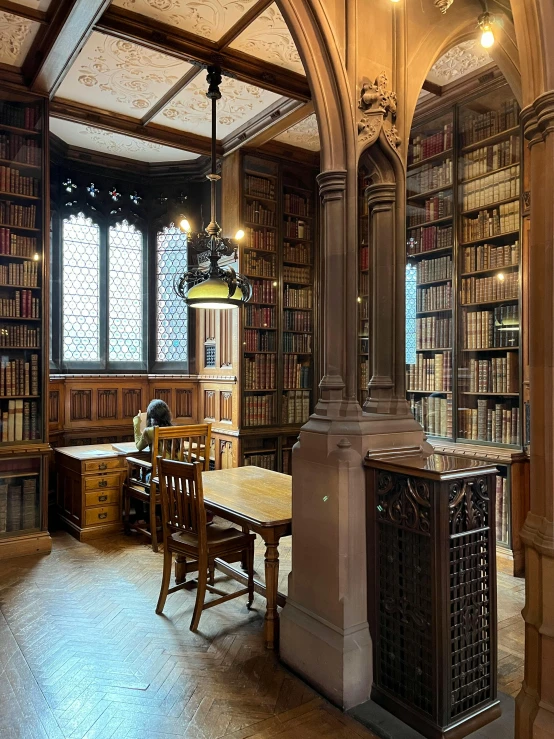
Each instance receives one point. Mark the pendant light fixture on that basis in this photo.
(214, 286)
(485, 22)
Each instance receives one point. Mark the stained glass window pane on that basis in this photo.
(125, 263)
(81, 289)
(411, 303)
(172, 316)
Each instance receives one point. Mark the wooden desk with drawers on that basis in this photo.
(89, 483)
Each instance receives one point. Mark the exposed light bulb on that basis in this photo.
(395, 1)
(501, 276)
(487, 39)
(275, 284)
(239, 235)
(184, 225)
(485, 22)
(359, 299)
(36, 257)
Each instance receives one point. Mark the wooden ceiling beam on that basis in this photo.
(23, 11)
(164, 39)
(71, 25)
(243, 23)
(170, 94)
(128, 126)
(432, 87)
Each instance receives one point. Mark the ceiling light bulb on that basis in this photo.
(184, 225)
(487, 38)
(239, 235)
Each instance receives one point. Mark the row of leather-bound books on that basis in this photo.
(430, 374)
(434, 413)
(20, 421)
(493, 422)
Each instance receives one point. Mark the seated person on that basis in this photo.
(157, 414)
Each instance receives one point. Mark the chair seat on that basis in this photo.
(220, 538)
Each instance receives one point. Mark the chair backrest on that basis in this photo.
(182, 444)
(182, 498)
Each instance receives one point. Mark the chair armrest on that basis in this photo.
(134, 462)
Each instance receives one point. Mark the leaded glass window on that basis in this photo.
(81, 289)
(411, 304)
(171, 310)
(125, 291)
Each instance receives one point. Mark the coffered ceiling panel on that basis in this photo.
(268, 38)
(16, 37)
(304, 134)
(457, 62)
(191, 110)
(207, 18)
(36, 4)
(120, 76)
(108, 142)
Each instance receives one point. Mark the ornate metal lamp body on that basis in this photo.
(214, 287)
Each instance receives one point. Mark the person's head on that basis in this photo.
(158, 414)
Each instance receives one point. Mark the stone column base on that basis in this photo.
(336, 662)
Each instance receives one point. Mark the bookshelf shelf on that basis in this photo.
(478, 397)
(21, 131)
(259, 197)
(20, 287)
(18, 196)
(495, 138)
(19, 318)
(428, 160)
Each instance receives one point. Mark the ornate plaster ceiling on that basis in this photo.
(208, 18)
(190, 110)
(268, 38)
(120, 76)
(108, 142)
(304, 134)
(16, 37)
(457, 62)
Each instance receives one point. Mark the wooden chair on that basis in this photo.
(185, 533)
(180, 443)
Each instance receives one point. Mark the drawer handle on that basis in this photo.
(102, 515)
(101, 499)
(103, 466)
(103, 484)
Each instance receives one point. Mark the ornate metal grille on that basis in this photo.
(172, 317)
(125, 317)
(209, 355)
(411, 302)
(81, 289)
(405, 654)
(470, 590)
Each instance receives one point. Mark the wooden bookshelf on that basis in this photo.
(277, 326)
(24, 220)
(469, 285)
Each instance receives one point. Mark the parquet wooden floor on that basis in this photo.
(83, 655)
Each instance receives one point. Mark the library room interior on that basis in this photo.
(276, 369)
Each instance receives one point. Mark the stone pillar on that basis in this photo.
(535, 702)
(324, 629)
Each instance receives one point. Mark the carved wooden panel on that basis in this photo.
(183, 403)
(163, 394)
(132, 402)
(209, 404)
(107, 403)
(226, 454)
(81, 405)
(226, 406)
(226, 338)
(54, 406)
(209, 324)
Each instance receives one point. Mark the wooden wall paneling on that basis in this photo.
(227, 319)
(184, 403)
(132, 401)
(178, 394)
(210, 404)
(106, 403)
(226, 406)
(79, 408)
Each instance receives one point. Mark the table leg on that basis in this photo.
(271, 624)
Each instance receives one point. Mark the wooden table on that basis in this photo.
(260, 500)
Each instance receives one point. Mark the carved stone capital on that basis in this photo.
(332, 184)
(538, 118)
(381, 194)
(378, 106)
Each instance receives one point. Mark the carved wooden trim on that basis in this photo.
(225, 454)
(163, 394)
(183, 403)
(209, 405)
(225, 338)
(54, 406)
(80, 405)
(107, 403)
(132, 402)
(226, 406)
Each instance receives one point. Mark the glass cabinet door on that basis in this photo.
(20, 500)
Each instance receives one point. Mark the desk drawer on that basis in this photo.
(102, 497)
(102, 465)
(106, 514)
(99, 482)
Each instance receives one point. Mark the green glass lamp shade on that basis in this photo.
(213, 293)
